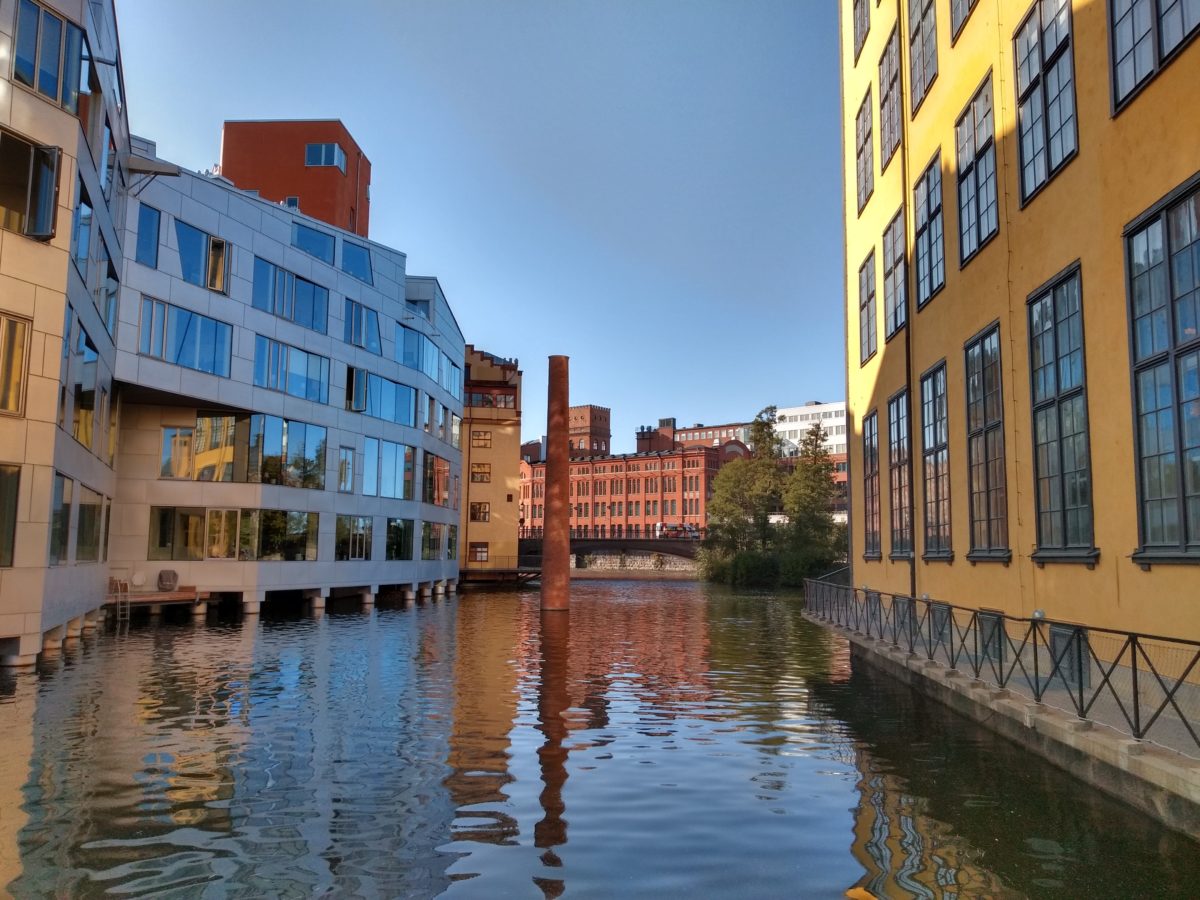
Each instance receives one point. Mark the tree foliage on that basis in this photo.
(766, 526)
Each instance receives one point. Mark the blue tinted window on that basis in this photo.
(356, 261)
(51, 50)
(193, 254)
(27, 42)
(313, 242)
(147, 237)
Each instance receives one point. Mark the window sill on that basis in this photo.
(1120, 104)
(868, 357)
(929, 87)
(921, 304)
(1147, 558)
(1080, 555)
(963, 261)
(887, 338)
(1050, 176)
(946, 556)
(872, 557)
(1000, 556)
(901, 556)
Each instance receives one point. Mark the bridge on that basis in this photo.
(531, 547)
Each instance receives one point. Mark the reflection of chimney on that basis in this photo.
(553, 700)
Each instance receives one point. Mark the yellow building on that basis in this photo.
(1022, 207)
(491, 463)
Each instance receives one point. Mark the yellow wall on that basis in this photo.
(1125, 164)
(503, 493)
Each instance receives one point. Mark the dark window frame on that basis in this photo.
(864, 146)
(935, 456)
(868, 326)
(1036, 91)
(971, 173)
(1159, 61)
(863, 21)
(891, 98)
(1182, 551)
(997, 547)
(935, 220)
(895, 275)
(900, 493)
(918, 51)
(1064, 551)
(872, 521)
(957, 29)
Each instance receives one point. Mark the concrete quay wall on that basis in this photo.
(1160, 782)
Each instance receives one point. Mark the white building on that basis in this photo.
(793, 422)
(193, 379)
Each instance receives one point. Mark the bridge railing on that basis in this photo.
(1143, 685)
(584, 532)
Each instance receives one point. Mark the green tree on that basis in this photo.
(741, 543)
(808, 498)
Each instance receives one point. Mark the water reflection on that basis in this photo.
(657, 740)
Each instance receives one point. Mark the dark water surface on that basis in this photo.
(664, 740)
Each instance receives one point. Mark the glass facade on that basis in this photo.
(282, 367)
(185, 338)
(287, 295)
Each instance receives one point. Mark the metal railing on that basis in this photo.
(1142, 685)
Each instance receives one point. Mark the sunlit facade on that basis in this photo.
(193, 380)
(1022, 209)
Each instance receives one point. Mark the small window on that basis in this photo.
(346, 470)
(313, 242)
(481, 439)
(481, 512)
(10, 490)
(202, 257)
(291, 202)
(60, 520)
(356, 261)
(400, 534)
(28, 187)
(325, 155)
(481, 472)
(14, 363)
(477, 551)
(147, 237)
(353, 538)
(362, 327)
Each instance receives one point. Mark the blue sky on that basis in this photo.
(651, 187)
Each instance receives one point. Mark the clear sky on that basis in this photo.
(651, 187)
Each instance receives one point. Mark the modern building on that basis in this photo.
(313, 165)
(65, 169)
(792, 423)
(1022, 193)
(193, 379)
(491, 511)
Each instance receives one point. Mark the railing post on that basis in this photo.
(1137, 700)
(1037, 676)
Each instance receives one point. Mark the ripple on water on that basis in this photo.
(677, 741)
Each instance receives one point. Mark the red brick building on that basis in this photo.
(627, 495)
(589, 430)
(313, 165)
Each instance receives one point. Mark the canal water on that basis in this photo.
(660, 740)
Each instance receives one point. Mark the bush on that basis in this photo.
(751, 569)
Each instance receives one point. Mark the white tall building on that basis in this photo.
(793, 422)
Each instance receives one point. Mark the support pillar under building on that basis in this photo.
(556, 539)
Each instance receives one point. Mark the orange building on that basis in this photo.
(311, 165)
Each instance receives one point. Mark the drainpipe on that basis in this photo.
(902, 33)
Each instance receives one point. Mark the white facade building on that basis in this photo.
(193, 379)
(793, 422)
